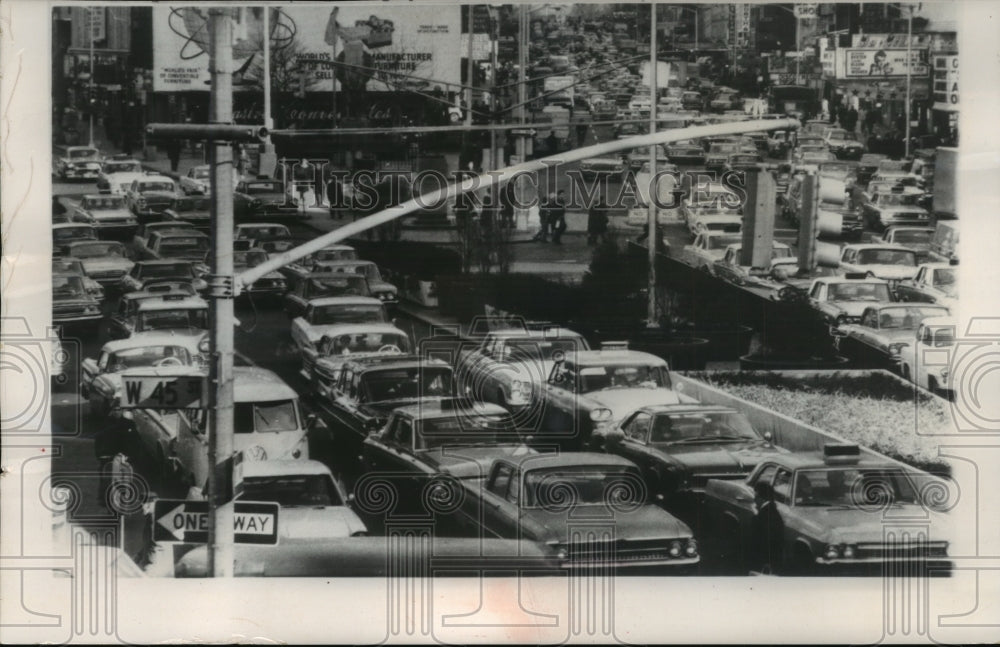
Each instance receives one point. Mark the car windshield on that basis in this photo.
(262, 232)
(701, 427)
(190, 204)
(179, 318)
(907, 317)
(200, 172)
(336, 285)
(194, 243)
(335, 255)
(265, 416)
(368, 343)
(66, 287)
(887, 257)
(897, 199)
(534, 350)
(859, 292)
(722, 242)
(82, 152)
(104, 202)
(263, 187)
(148, 356)
(598, 378)
(466, 428)
(912, 237)
(724, 147)
(292, 490)
(251, 258)
(156, 186)
(852, 487)
(98, 250)
(406, 383)
(73, 233)
(944, 278)
(123, 167)
(575, 485)
(166, 270)
(66, 266)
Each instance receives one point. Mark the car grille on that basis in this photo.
(618, 551)
(909, 215)
(113, 221)
(902, 550)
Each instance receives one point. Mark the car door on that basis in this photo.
(560, 407)
(500, 502)
(632, 446)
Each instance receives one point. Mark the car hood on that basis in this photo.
(111, 214)
(851, 524)
(472, 462)
(74, 301)
(891, 272)
(890, 336)
(728, 457)
(321, 522)
(103, 264)
(383, 408)
(624, 401)
(644, 523)
(158, 196)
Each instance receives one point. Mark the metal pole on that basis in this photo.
(522, 74)
(798, 54)
(220, 438)
(333, 82)
(90, 98)
(494, 162)
(696, 12)
(268, 122)
(651, 240)
(468, 74)
(909, 64)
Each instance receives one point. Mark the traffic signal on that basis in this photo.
(815, 221)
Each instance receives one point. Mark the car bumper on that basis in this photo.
(116, 227)
(77, 174)
(877, 566)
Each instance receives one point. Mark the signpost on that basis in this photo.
(164, 392)
(179, 521)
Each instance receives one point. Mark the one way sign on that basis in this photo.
(187, 522)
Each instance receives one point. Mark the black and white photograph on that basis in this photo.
(419, 321)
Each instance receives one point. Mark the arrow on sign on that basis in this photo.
(174, 521)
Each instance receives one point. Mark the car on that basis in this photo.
(140, 242)
(72, 231)
(685, 153)
(542, 497)
(730, 267)
(692, 101)
(916, 238)
(324, 355)
(78, 162)
(73, 266)
(313, 503)
(822, 513)
(103, 260)
(811, 157)
(597, 166)
(639, 157)
(628, 128)
(779, 143)
(510, 366)
(889, 262)
(933, 283)
(321, 285)
(714, 197)
(844, 144)
(833, 202)
(843, 299)
(678, 447)
(268, 424)
(269, 236)
(878, 338)
(171, 269)
(723, 101)
(150, 195)
(117, 174)
(296, 270)
(101, 378)
(817, 127)
(591, 389)
(197, 181)
(72, 304)
(897, 172)
(927, 360)
(169, 311)
(707, 248)
(193, 210)
(264, 198)
(867, 166)
(744, 161)
(719, 150)
(270, 286)
(447, 436)
(379, 288)
(191, 246)
(368, 389)
(325, 313)
(120, 320)
(895, 206)
(107, 214)
(725, 221)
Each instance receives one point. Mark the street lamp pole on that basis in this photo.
(909, 64)
(651, 319)
(90, 94)
(798, 52)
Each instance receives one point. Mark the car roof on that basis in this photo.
(815, 460)
(844, 279)
(82, 243)
(163, 261)
(937, 266)
(774, 245)
(67, 225)
(156, 337)
(343, 301)
(390, 362)
(101, 196)
(188, 302)
(183, 234)
(260, 225)
(685, 408)
(892, 246)
(940, 321)
(255, 384)
(345, 262)
(615, 357)
(557, 332)
(158, 178)
(285, 467)
(568, 459)
(437, 409)
(335, 330)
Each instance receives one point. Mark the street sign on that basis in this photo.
(164, 392)
(177, 521)
(806, 11)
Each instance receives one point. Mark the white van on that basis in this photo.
(268, 422)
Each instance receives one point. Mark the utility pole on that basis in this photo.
(651, 318)
(522, 75)
(909, 65)
(494, 161)
(222, 346)
(91, 26)
(268, 160)
(468, 74)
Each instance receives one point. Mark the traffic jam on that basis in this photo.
(354, 413)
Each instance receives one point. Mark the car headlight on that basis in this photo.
(849, 551)
(691, 549)
(832, 552)
(840, 320)
(675, 549)
(896, 348)
(600, 415)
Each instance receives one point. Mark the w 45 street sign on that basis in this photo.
(164, 391)
(177, 521)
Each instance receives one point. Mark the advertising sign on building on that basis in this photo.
(882, 63)
(389, 43)
(946, 83)
(806, 11)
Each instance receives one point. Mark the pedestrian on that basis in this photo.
(545, 218)
(335, 195)
(851, 119)
(597, 221)
(557, 217)
(507, 198)
(174, 153)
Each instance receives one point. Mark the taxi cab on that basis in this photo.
(843, 299)
(170, 312)
(590, 390)
(828, 513)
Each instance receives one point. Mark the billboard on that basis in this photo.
(883, 63)
(946, 83)
(381, 46)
